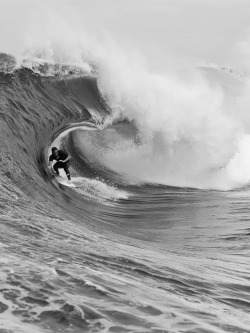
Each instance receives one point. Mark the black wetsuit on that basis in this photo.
(62, 155)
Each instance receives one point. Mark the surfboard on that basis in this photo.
(65, 182)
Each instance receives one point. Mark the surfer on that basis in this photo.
(62, 161)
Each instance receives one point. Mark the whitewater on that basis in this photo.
(155, 235)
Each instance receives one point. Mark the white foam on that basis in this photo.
(98, 190)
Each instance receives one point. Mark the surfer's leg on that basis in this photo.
(56, 167)
(66, 169)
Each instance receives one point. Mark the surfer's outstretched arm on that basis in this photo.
(66, 159)
(50, 165)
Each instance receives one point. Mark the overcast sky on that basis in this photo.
(209, 30)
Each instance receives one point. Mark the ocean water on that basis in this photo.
(155, 235)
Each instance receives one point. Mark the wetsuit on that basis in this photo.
(62, 155)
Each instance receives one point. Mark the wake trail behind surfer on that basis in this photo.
(62, 161)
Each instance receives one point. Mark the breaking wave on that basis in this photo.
(93, 257)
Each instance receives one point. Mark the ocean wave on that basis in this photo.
(156, 131)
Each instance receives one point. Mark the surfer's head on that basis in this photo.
(54, 151)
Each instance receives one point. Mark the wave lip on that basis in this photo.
(8, 64)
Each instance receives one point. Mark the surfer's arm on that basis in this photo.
(50, 161)
(66, 159)
(50, 165)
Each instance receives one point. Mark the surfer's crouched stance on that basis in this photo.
(63, 161)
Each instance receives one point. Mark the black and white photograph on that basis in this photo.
(124, 166)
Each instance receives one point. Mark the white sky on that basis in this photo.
(209, 30)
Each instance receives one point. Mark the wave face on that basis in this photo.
(121, 252)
